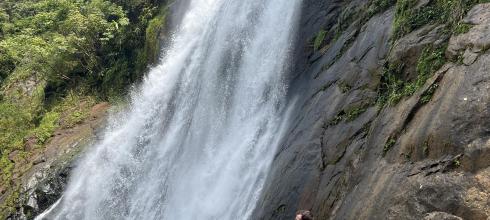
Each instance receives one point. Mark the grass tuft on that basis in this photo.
(388, 145)
(393, 88)
(320, 37)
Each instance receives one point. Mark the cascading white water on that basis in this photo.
(203, 127)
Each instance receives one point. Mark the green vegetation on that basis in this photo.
(396, 82)
(47, 126)
(349, 114)
(378, 6)
(345, 19)
(9, 203)
(152, 43)
(320, 37)
(337, 118)
(350, 16)
(457, 162)
(344, 87)
(353, 113)
(425, 149)
(409, 17)
(388, 145)
(430, 61)
(73, 108)
(393, 87)
(427, 95)
(59, 57)
(462, 28)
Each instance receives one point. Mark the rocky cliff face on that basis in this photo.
(390, 124)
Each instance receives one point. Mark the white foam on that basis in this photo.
(202, 129)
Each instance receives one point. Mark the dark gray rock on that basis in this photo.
(437, 162)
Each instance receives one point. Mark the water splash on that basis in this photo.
(199, 137)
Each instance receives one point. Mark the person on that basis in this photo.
(303, 215)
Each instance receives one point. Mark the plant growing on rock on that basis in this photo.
(320, 37)
(461, 28)
(410, 16)
(378, 6)
(393, 87)
(388, 145)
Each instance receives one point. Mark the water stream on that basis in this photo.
(198, 138)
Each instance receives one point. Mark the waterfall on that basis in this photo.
(198, 138)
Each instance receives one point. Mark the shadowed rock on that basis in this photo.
(411, 160)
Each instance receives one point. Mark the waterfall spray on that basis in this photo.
(201, 131)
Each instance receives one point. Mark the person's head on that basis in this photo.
(304, 215)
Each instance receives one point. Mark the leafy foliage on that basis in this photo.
(57, 57)
(61, 38)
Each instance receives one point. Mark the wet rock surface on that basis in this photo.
(345, 157)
